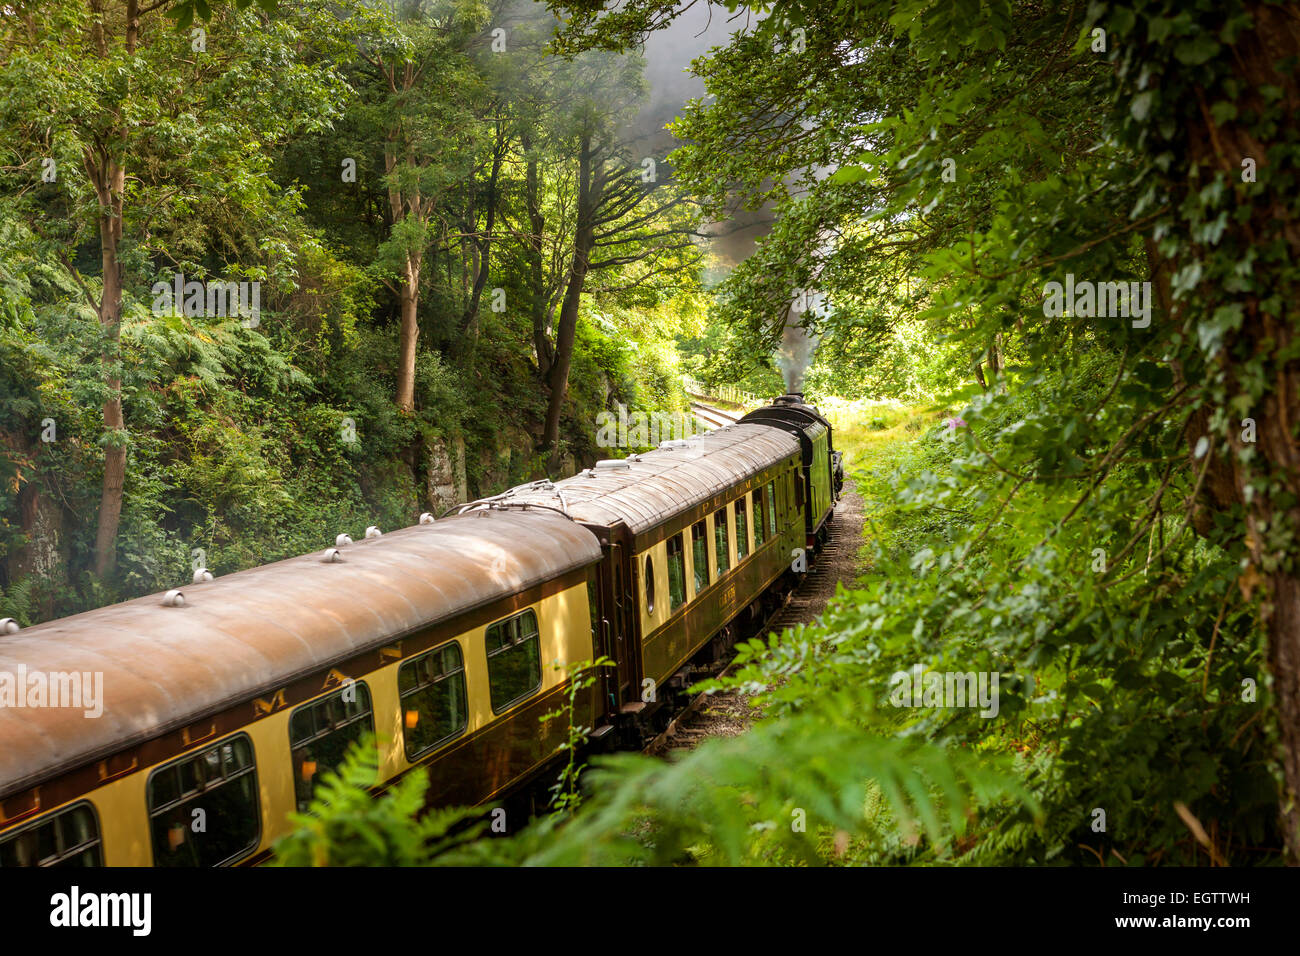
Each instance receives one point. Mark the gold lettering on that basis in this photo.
(261, 707)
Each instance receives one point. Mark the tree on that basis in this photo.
(432, 137)
(119, 110)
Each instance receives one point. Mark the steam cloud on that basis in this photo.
(796, 351)
(668, 54)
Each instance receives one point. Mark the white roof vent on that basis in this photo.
(9, 626)
(606, 464)
(373, 532)
(426, 518)
(332, 556)
(173, 598)
(202, 576)
(541, 484)
(342, 540)
(676, 443)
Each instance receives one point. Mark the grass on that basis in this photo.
(878, 441)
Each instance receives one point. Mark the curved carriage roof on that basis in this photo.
(253, 631)
(660, 484)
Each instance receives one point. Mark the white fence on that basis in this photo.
(722, 393)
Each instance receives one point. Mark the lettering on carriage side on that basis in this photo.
(262, 707)
(188, 738)
(729, 596)
(336, 678)
(73, 909)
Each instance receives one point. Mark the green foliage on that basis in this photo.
(779, 794)
(1104, 708)
(1047, 531)
(345, 825)
(247, 445)
(581, 676)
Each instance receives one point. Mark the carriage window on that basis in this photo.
(771, 508)
(700, 555)
(676, 573)
(740, 505)
(720, 546)
(222, 783)
(434, 702)
(514, 652)
(321, 732)
(68, 838)
(649, 585)
(760, 523)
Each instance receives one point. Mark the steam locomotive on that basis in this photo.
(221, 704)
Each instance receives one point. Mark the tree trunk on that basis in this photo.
(565, 333)
(1267, 335)
(536, 272)
(110, 179)
(410, 331)
(483, 247)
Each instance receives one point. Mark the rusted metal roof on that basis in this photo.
(657, 485)
(248, 633)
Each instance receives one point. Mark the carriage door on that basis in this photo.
(622, 623)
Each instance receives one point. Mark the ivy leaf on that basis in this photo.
(1210, 333)
(1141, 105)
(1223, 111)
(1196, 50)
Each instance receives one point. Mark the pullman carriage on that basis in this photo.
(221, 710)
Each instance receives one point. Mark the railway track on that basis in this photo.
(801, 606)
(711, 417)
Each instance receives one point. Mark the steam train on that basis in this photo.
(220, 705)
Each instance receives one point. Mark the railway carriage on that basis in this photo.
(698, 536)
(220, 712)
(223, 703)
